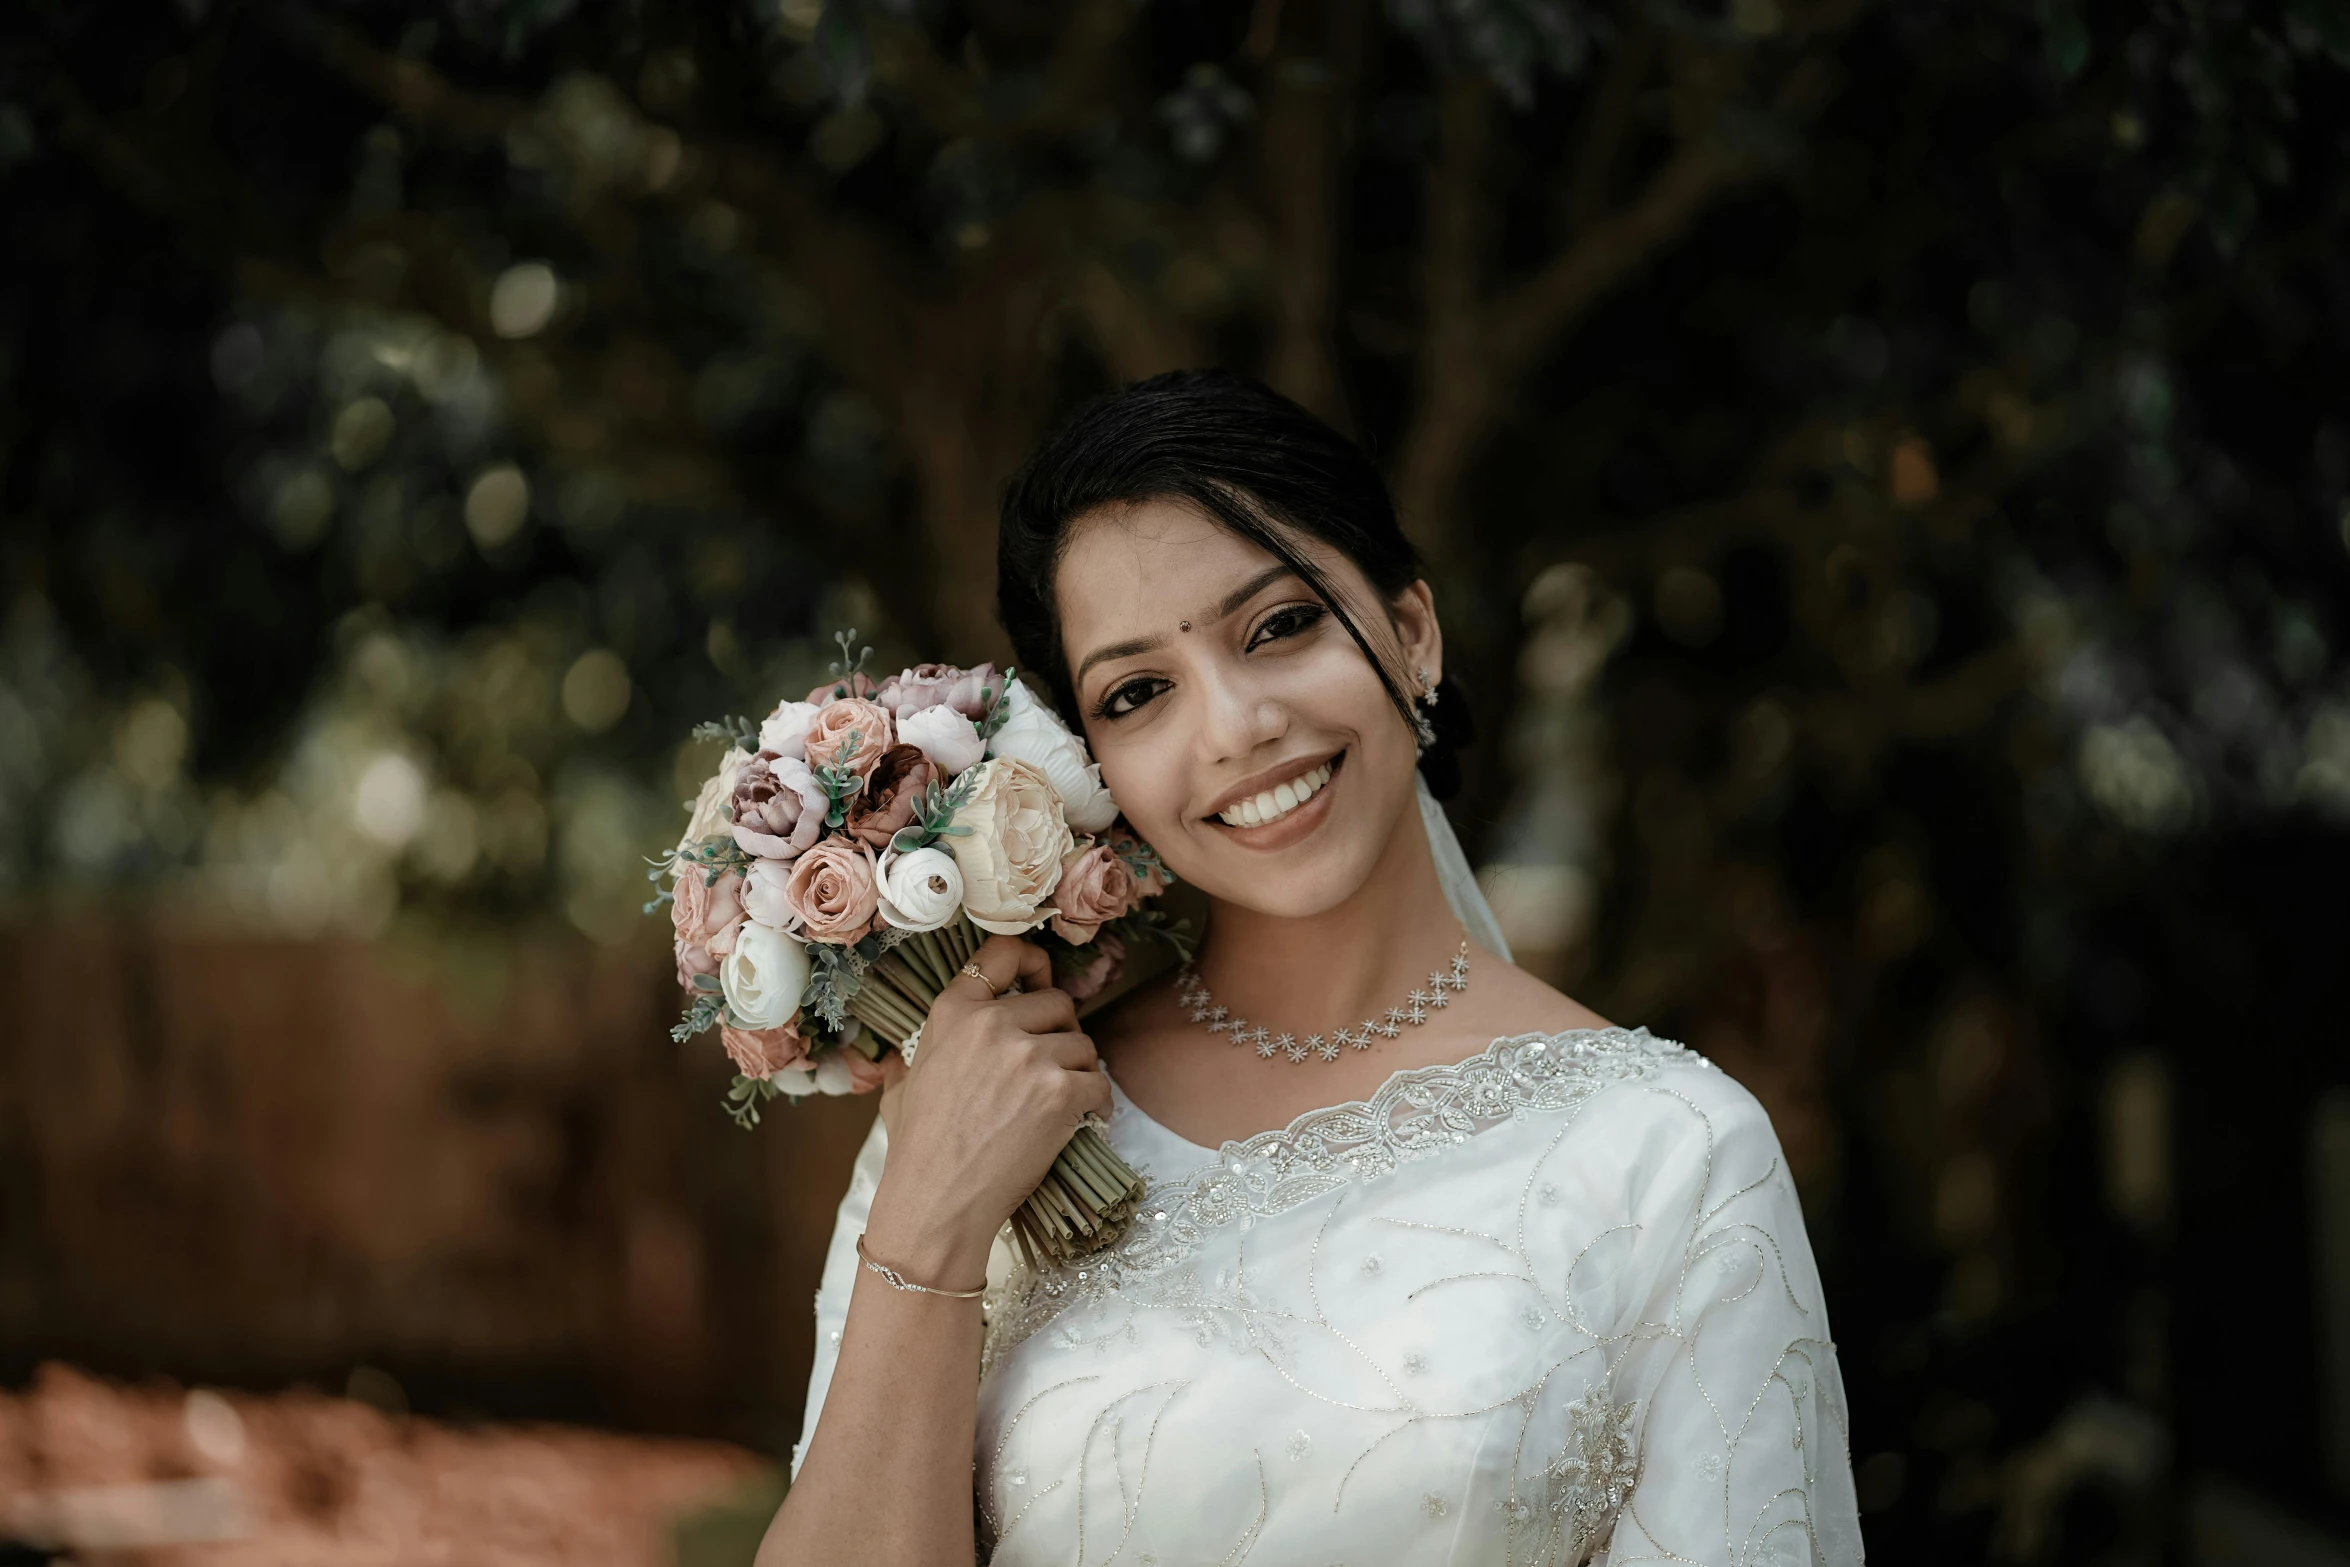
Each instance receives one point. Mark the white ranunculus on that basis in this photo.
(764, 976)
(920, 890)
(1035, 734)
(950, 740)
(1011, 849)
(711, 808)
(762, 893)
(785, 731)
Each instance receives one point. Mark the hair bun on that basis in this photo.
(1455, 727)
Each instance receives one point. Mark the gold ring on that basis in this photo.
(970, 970)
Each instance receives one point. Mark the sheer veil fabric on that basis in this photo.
(1550, 1305)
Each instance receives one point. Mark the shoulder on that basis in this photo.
(1674, 1122)
(1503, 1000)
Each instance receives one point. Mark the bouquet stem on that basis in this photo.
(1087, 1198)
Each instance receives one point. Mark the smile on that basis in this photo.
(1259, 810)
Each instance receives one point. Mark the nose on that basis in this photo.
(1240, 715)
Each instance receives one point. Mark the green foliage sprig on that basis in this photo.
(707, 1011)
(999, 704)
(737, 730)
(744, 1097)
(934, 814)
(835, 975)
(845, 669)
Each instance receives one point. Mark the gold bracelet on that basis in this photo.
(898, 1281)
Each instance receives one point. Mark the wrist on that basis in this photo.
(939, 1250)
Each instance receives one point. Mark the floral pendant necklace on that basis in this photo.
(1200, 1007)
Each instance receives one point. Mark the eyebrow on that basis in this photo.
(1224, 606)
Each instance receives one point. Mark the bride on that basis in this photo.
(1435, 1265)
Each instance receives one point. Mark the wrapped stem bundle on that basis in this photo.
(1087, 1197)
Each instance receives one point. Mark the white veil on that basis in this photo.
(1460, 882)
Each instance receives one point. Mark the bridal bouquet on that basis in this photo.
(848, 857)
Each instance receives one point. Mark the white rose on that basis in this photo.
(950, 740)
(785, 731)
(711, 809)
(764, 976)
(833, 1075)
(921, 890)
(1035, 734)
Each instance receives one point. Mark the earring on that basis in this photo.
(1424, 712)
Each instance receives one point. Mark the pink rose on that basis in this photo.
(1100, 969)
(1095, 888)
(759, 1052)
(778, 808)
(974, 691)
(892, 791)
(831, 892)
(851, 734)
(705, 916)
(835, 690)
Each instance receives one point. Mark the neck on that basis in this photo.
(1328, 970)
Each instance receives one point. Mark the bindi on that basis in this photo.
(1183, 625)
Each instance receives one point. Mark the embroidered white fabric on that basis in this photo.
(1551, 1305)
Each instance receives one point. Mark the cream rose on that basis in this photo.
(950, 740)
(785, 731)
(712, 808)
(1011, 856)
(764, 976)
(1035, 734)
(920, 890)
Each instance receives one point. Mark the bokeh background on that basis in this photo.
(1885, 469)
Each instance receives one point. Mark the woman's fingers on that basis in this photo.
(1002, 960)
(1041, 1011)
(1067, 1048)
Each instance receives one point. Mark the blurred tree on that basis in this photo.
(1882, 468)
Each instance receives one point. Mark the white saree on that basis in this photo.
(1553, 1304)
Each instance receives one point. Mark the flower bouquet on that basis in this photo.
(848, 858)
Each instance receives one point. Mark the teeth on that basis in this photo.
(1277, 801)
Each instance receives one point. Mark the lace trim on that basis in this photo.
(1414, 1115)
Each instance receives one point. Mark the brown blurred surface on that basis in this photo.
(480, 1166)
(301, 1478)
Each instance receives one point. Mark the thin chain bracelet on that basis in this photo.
(898, 1281)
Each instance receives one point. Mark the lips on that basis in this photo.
(1271, 804)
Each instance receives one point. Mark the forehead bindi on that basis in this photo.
(1142, 571)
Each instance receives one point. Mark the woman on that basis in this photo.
(1436, 1266)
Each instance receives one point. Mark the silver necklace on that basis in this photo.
(1192, 992)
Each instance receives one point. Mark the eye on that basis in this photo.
(1129, 695)
(1288, 621)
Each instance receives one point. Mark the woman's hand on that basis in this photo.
(1000, 1082)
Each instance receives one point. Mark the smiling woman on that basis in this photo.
(1430, 1269)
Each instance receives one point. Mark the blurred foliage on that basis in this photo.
(1883, 468)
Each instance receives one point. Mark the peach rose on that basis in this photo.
(851, 733)
(831, 892)
(705, 916)
(760, 1052)
(893, 789)
(1095, 888)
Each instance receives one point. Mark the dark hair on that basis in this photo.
(1250, 459)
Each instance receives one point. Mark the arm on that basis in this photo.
(1742, 1420)
(886, 1475)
